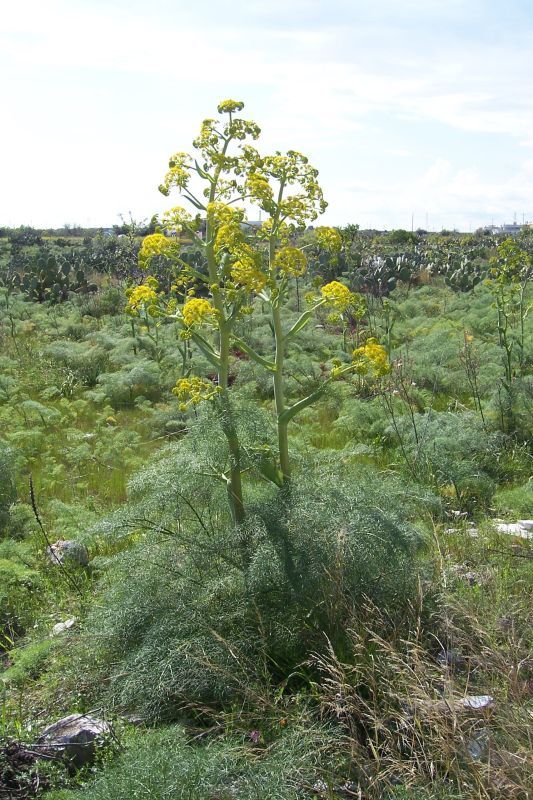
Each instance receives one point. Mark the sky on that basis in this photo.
(415, 112)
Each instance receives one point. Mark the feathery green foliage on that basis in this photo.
(163, 764)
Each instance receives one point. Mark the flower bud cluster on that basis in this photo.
(193, 390)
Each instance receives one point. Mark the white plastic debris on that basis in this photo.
(63, 626)
(515, 529)
(476, 702)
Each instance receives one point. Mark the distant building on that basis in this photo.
(508, 229)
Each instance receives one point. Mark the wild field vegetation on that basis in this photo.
(289, 452)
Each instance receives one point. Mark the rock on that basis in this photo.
(478, 745)
(476, 702)
(74, 737)
(514, 529)
(63, 626)
(68, 550)
(526, 523)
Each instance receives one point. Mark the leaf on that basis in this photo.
(300, 323)
(271, 472)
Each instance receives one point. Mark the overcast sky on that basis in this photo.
(406, 107)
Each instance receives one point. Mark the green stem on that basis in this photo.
(279, 393)
(279, 359)
(235, 496)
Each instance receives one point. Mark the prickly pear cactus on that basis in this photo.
(48, 277)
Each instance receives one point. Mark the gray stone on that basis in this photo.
(68, 550)
(75, 738)
(478, 745)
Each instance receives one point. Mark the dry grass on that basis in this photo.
(401, 704)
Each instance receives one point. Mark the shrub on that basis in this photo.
(517, 501)
(121, 388)
(19, 586)
(7, 483)
(27, 663)
(202, 611)
(108, 301)
(84, 360)
(164, 764)
(456, 454)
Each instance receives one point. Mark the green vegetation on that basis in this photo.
(293, 610)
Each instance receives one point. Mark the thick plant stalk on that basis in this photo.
(279, 388)
(279, 395)
(227, 422)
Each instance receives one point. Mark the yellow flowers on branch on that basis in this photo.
(198, 311)
(192, 391)
(371, 359)
(142, 298)
(241, 263)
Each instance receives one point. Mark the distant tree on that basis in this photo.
(24, 236)
(402, 236)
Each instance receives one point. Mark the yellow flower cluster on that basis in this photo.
(260, 190)
(291, 261)
(240, 129)
(329, 239)
(229, 237)
(283, 232)
(175, 219)
(229, 106)
(291, 169)
(178, 173)
(193, 390)
(141, 296)
(245, 273)
(153, 246)
(371, 358)
(196, 311)
(208, 138)
(222, 214)
(337, 296)
(300, 208)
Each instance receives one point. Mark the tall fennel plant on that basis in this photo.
(240, 268)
